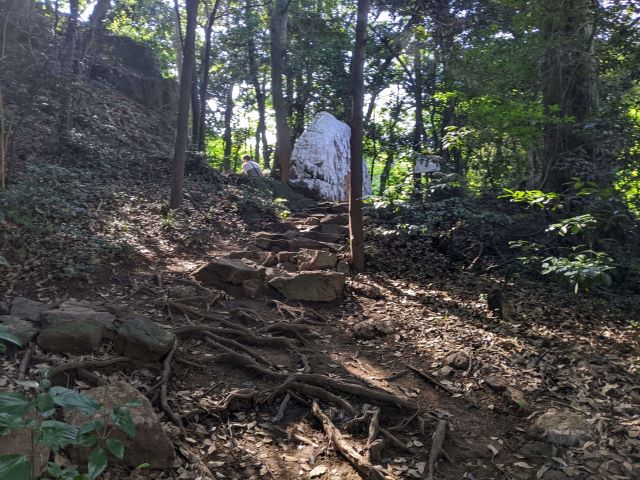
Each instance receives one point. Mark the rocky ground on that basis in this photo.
(275, 361)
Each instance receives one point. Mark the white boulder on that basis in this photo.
(320, 161)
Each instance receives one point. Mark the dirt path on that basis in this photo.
(411, 355)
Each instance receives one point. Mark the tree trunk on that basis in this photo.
(195, 108)
(67, 61)
(178, 42)
(204, 84)
(569, 87)
(278, 41)
(356, 233)
(96, 23)
(183, 106)
(228, 140)
(418, 129)
(444, 36)
(261, 130)
(391, 147)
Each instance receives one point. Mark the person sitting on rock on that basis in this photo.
(250, 168)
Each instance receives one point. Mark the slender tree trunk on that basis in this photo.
(96, 23)
(356, 230)
(569, 86)
(183, 106)
(204, 84)
(261, 130)
(67, 61)
(278, 41)
(444, 38)
(178, 41)
(228, 140)
(195, 108)
(418, 129)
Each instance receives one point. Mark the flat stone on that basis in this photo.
(369, 291)
(228, 270)
(457, 360)
(312, 221)
(561, 428)
(18, 442)
(28, 309)
(516, 400)
(281, 227)
(287, 267)
(311, 286)
(23, 329)
(291, 257)
(273, 272)
(324, 237)
(297, 243)
(71, 336)
(316, 259)
(92, 305)
(253, 288)
(258, 256)
(336, 219)
(553, 474)
(364, 330)
(536, 450)
(141, 339)
(343, 267)
(334, 229)
(274, 245)
(80, 314)
(149, 445)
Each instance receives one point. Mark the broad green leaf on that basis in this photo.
(116, 447)
(67, 398)
(44, 403)
(7, 337)
(97, 462)
(131, 404)
(56, 435)
(15, 467)
(122, 419)
(14, 403)
(3, 261)
(54, 469)
(9, 422)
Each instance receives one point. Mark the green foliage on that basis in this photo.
(7, 337)
(36, 412)
(531, 197)
(582, 270)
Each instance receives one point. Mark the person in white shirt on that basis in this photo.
(250, 168)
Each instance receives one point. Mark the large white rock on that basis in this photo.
(320, 161)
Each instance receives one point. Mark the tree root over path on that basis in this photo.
(361, 464)
(248, 348)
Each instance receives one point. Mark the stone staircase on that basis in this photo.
(301, 259)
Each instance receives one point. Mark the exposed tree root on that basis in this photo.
(352, 388)
(24, 363)
(436, 446)
(87, 364)
(430, 379)
(294, 329)
(166, 373)
(240, 360)
(361, 464)
(247, 335)
(91, 377)
(232, 343)
(283, 408)
(322, 394)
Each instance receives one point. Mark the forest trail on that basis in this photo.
(390, 363)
